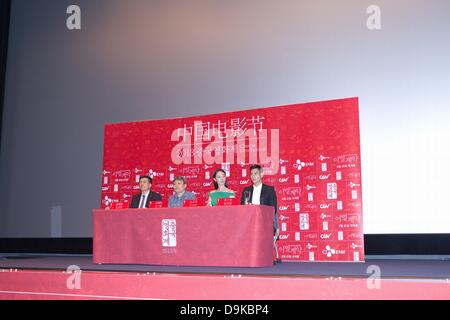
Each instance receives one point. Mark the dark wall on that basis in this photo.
(5, 8)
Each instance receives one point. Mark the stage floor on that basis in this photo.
(399, 268)
(46, 277)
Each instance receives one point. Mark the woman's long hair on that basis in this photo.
(216, 186)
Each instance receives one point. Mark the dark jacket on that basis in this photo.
(152, 196)
(268, 198)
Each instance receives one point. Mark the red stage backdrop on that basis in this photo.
(310, 152)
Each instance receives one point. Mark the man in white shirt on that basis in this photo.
(260, 193)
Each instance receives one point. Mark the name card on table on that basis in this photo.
(158, 204)
(228, 202)
(119, 205)
(190, 203)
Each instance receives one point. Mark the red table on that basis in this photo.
(197, 236)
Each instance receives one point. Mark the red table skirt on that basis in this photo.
(235, 236)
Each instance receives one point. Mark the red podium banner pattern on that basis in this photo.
(238, 236)
(310, 153)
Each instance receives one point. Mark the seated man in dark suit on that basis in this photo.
(142, 199)
(260, 193)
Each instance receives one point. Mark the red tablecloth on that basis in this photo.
(197, 236)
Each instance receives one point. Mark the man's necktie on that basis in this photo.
(142, 205)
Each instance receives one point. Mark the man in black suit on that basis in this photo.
(142, 199)
(260, 193)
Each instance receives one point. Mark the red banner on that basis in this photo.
(310, 153)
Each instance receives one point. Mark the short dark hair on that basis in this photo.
(146, 177)
(216, 185)
(179, 178)
(256, 166)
